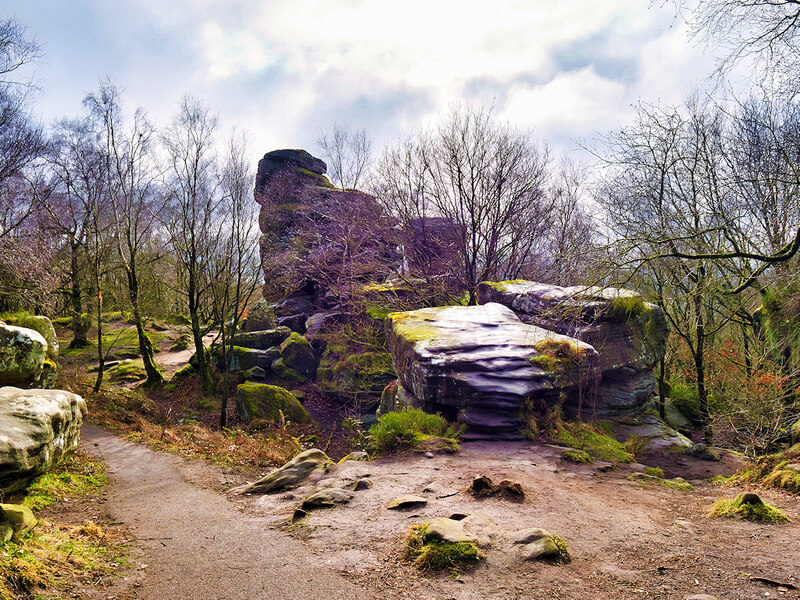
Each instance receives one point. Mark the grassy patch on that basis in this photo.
(749, 507)
(591, 439)
(409, 428)
(77, 476)
(558, 355)
(654, 471)
(53, 557)
(626, 307)
(578, 457)
(676, 484)
(436, 555)
(781, 471)
(126, 372)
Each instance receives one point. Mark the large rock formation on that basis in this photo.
(482, 365)
(527, 347)
(629, 333)
(38, 428)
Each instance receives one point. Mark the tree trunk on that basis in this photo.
(101, 359)
(80, 326)
(662, 387)
(199, 349)
(154, 376)
(702, 393)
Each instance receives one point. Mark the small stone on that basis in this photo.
(407, 502)
(481, 486)
(536, 543)
(429, 455)
(363, 484)
(327, 498)
(355, 456)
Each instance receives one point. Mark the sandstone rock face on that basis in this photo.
(38, 428)
(22, 355)
(629, 334)
(480, 364)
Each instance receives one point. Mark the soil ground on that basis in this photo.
(196, 539)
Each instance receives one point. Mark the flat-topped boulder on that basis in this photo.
(480, 364)
(629, 334)
(38, 428)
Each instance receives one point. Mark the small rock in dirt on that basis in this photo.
(355, 456)
(362, 484)
(327, 498)
(481, 486)
(299, 514)
(511, 490)
(407, 502)
(536, 543)
(477, 529)
(429, 455)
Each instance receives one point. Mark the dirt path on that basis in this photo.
(196, 544)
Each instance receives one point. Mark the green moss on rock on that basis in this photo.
(578, 457)
(748, 506)
(436, 555)
(262, 401)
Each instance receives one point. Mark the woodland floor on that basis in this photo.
(195, 539)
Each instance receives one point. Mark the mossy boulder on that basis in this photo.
(22, 355)
(244, 359)
(15, 521)
(629, 334)
(429, 552)
(297, 353)
(263, 401)
(748, 506)
(262, 339)
(38, 428)
(293, 473)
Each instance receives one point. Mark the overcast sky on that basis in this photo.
(283, 69)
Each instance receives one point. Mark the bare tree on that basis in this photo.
(134, 199)
(235, 257)
(348, 153)
(767, 31)
(195, 202)
(486, 178)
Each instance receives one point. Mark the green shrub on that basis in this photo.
(408, 429)
(686, 400)
(773, 470)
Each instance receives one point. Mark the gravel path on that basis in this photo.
(194, 542)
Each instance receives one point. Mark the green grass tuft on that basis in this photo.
(676, 484)
(410, 428)
(654, 471)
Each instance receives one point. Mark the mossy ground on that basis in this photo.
(436, 555)
(650, 478)
(578, 457)
(591, 439)
(128, 371)
(739, 508)
(410, 428)
(78, 476)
